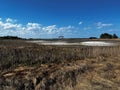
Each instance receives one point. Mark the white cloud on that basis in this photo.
(33, 30)
(9, 26)
(86, 28)
(50, 29)
(33, 26)
(66, 29)
(102, 25)
(9, 20)
(80, 23)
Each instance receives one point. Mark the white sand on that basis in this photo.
(85, 43)
(37, 41)
(59, 43)
(97, 43)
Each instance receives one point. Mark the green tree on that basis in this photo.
(115, 36)
(106, 36)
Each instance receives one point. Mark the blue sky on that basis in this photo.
(51, 18)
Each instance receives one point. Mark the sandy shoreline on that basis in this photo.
(84, 43)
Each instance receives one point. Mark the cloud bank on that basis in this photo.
(10, 27)
(32, 30)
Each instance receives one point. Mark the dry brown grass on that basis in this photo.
(35, 67)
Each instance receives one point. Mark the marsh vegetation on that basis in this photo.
(29, 66)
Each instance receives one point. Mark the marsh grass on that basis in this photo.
(17, 52)
(26, 66)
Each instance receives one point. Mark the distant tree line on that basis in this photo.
(93, 38)
(10, 37)
(102, 36)
(108, 36)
